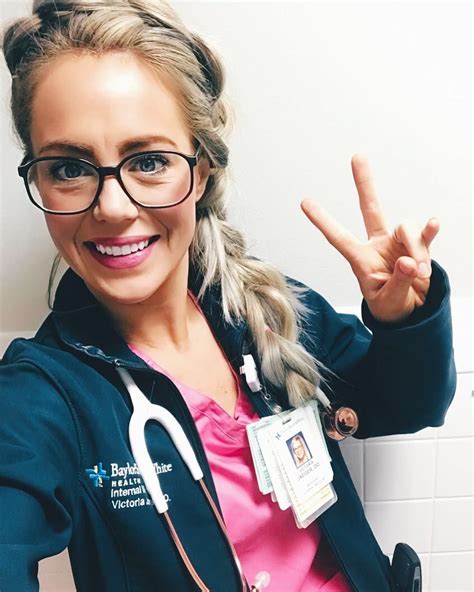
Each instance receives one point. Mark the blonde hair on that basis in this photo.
(250, 289)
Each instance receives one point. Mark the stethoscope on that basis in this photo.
(143, 410)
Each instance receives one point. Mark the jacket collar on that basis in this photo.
(83, 323)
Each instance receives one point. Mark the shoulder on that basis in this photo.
(36, 370)
(40, 350)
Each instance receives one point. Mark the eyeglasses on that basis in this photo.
(65, 185)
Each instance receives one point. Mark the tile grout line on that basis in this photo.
(410, 440)
(421, 499)
(435, 483)
(450, 553)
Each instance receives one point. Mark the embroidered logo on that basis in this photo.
(97, 474)
(125, 483)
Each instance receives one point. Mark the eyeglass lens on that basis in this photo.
(70, 185)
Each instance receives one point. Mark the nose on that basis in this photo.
(113, 204)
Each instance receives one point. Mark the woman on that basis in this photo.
(161, 286)
(299, 450)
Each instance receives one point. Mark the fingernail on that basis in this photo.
(424, 270)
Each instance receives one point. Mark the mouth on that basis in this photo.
(120, 250)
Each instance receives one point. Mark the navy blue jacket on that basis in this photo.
(67, 475)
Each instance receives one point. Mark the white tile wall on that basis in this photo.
(353, 453)
(452, 572)
(416, 488)
(399, 470)
(402, 521)
(452, 525)
(454, 467)
(425, 570)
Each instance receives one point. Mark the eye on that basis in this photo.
(68, 170)
(155, 163)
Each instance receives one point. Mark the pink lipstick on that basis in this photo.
(122, 252)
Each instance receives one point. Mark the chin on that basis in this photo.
(124, 292)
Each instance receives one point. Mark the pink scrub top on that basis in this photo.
(265, 537)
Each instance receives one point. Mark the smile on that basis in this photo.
(117, 251)
(123, 255)
(123, 249)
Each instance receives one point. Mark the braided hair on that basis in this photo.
(250, 289)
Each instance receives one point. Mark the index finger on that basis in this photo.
(369, 204)
(339, 237)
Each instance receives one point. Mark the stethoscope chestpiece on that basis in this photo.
(340, 423)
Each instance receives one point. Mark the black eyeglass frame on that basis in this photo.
(105, 171)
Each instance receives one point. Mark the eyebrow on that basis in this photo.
(86, 150)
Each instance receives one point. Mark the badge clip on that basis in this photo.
(249, 368)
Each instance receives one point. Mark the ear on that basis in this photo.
(203, 170)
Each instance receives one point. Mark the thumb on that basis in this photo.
(404, 274)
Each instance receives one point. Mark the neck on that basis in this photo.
(163, 321)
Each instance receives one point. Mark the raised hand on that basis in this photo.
(393, 268)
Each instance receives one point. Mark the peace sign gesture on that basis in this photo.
(393, 268)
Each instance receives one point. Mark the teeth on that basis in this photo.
(119, 251)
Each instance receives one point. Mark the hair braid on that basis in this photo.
(152, 30)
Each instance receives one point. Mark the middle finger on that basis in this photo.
(369, 204)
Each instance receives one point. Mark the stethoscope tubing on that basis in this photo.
(143, 411)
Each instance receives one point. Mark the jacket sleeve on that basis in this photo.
(399, 377)
(39, 467)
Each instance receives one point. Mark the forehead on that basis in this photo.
(103, 100)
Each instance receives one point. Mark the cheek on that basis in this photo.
(180, 221)
(62, 231)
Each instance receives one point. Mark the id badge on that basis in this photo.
(292, 462)
(265, 441)
(301, 451)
